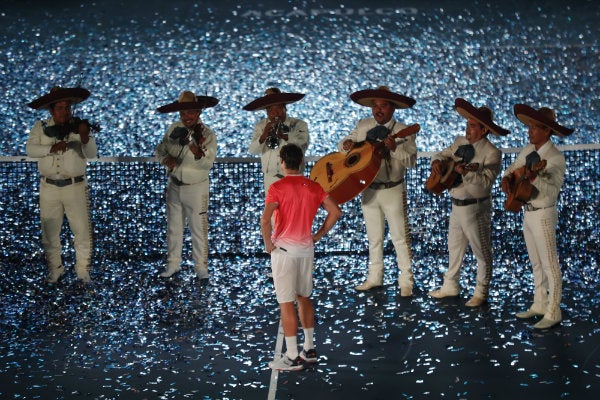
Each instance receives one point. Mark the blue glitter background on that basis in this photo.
(131, 335)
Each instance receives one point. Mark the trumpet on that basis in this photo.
(272, 141)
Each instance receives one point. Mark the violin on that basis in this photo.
(60, 131)
(185, 135)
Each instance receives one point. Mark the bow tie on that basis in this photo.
(377, 134)
(466, 152)
(532, 159)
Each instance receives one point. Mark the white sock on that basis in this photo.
(291, 345)
(308, 338)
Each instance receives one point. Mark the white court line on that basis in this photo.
(275, 373)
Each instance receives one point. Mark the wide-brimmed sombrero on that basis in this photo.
(544, 116)
(366, 97)
(482, 114)
(188, 101)
(57, 93)
(273, 96)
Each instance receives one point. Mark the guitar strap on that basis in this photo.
(377, 134)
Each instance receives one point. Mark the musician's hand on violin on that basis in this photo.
(170, 163)
(59, 147)
(347, 145)
(505, 184)
(83, 129)
(390, 143)
(198, 152)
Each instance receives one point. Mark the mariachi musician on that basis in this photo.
(62, 145)
(276, 130)
(477, 163)
(540, 217)
(386, 197)
(187, 150)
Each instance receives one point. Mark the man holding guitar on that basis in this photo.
(477, 162)
(386, 197)
(540, 218)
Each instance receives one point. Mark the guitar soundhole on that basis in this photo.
(352, 160)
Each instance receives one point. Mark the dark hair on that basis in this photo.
(292, 156)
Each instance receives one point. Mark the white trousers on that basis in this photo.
(187, 203)
(391, 205)
(55, 202)
(539, 229)
(470, 225)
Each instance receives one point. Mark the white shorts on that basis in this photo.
(292, 276)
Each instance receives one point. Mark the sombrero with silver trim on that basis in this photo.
(484, 115)
(545, 116)
(366, 97)
(273, 96)
(188, 101)
(57, 93)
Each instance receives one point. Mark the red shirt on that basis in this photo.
(298, 201)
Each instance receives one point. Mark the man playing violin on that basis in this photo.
(62, 145)
(540, 214)
(385, 198)
(188, 150)
(276, 130)
(477, 162)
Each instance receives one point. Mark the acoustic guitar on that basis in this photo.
(437, 183)
(345, 175)
(521, 189)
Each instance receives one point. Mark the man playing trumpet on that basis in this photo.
(276, 130)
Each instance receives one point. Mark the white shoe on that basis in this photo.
(309, 356)
(545, 323)
(475, 301)
(201, 273)
(55, 274)
(440, 294)
(367, 285)
(84, 277)
(284, 363)
(169, 272)
(527, 314)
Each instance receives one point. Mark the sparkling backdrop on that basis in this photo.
(131, 335)
(136, 58)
